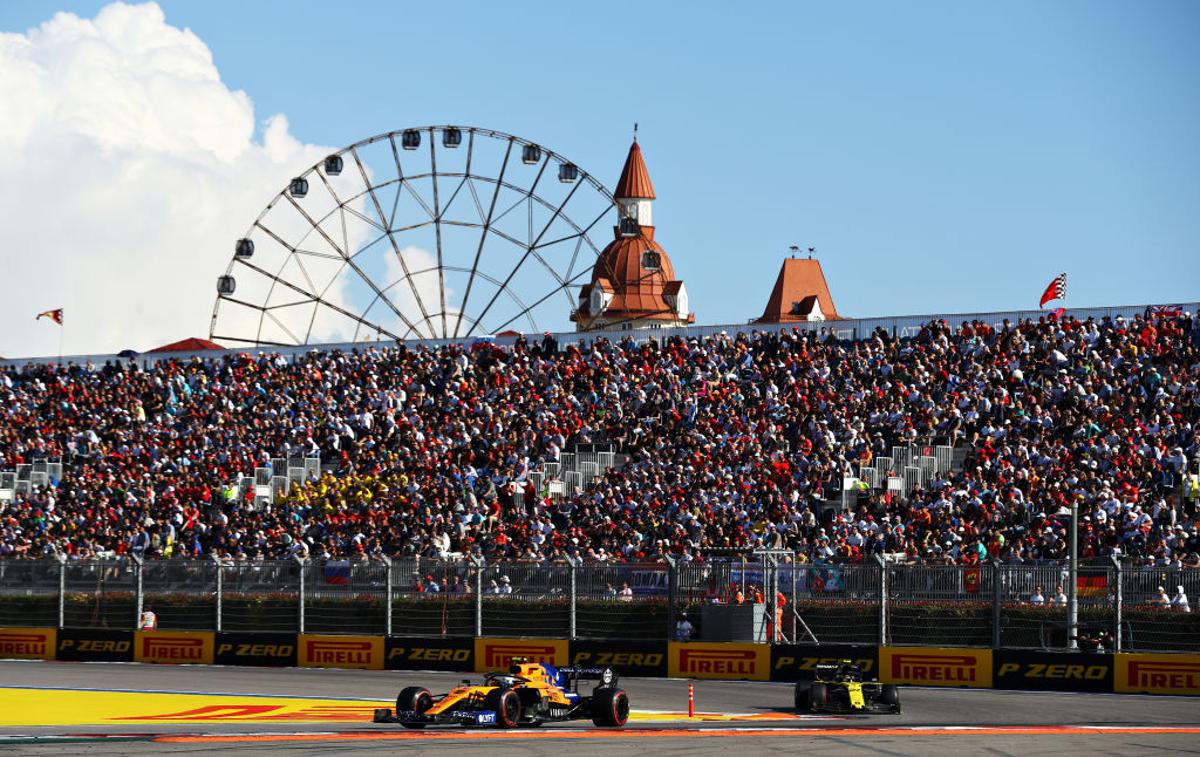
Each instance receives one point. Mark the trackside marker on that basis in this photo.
(691, 700)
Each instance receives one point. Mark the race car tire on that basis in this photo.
(802, 689)
(507, 705)
(818, 696)
(610, 707)
(416, 699)
(889, 694)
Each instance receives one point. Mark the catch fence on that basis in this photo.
(1124, 607)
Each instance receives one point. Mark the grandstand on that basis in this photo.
(639, 446)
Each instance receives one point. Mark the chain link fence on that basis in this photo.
(1011, 606)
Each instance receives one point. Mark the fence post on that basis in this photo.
(995, 603)
(574, 595)
(300, 561)
(883, 604)
(478, 562)
(1118, 604)
(387, 615)
(137, 613)
(220, 590)
(62, 588)
(672, 596)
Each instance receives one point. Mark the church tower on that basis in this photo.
(633, 282)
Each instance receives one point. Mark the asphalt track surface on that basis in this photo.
(744, 717)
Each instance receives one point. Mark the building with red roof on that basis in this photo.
(800, 294)
(633, 283)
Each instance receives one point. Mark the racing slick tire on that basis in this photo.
(889, 694)
(416, 699)
(610, 707)
(818, 696)
(507, 705)
(802, 689)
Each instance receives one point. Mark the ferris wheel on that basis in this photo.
(437, 232)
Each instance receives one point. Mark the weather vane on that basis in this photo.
(794, 248)
(635, 131)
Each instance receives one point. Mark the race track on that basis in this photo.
(123, 708)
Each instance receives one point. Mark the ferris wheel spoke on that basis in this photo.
(517, 267)
(315, 298)
(283, 326)
(483, 235)
(565, 285)
(437, 228)
(395, 249)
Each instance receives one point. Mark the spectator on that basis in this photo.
(1179, 602)
(1162, 600)
(626, 593)
(1036, 598)
(683, 629)
(1060, 597)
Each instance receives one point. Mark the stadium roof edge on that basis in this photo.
(850, 328)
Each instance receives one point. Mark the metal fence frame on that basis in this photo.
(871, 603)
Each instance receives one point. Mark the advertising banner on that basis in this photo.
(330, 651)
(934, 666)
(497, 654)
(429, 654)
(1157, 674)
(95, 645)
(27, 643)
(798, 662)
(627, 658)
(718, 660)
(258, 649)
(173, 647)
(1051, 671)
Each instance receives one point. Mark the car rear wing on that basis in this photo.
(606, 676)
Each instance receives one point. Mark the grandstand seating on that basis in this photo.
(969, 438)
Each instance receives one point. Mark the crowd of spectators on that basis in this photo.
(729, 441)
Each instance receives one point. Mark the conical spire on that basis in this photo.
(635, 179)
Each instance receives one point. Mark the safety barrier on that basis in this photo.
(959, 667)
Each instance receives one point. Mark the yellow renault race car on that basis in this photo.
(529, 694)
(839, 687)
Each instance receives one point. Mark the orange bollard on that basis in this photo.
(691, 700)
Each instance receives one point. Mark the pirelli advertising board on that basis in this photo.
(256, 649)
(1156, 674)
(497, 654)
(798, 662)
(173, 647)
(751, 662)
(936, 666)
(330, 651)
(95, 645)
(1052, 671)
(27, 643)
(429, 654)
(629, 658)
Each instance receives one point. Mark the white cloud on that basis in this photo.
(129, 170)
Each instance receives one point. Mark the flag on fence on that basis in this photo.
(337, 572)
(971, 580)
(1091, 586)
(1056, 291)
(54, 315)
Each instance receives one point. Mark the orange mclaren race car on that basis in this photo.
(529, 694)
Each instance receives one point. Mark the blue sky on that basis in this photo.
(942, 156)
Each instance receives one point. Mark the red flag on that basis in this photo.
(54, 315)
(1056, 291)
(971, 580)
